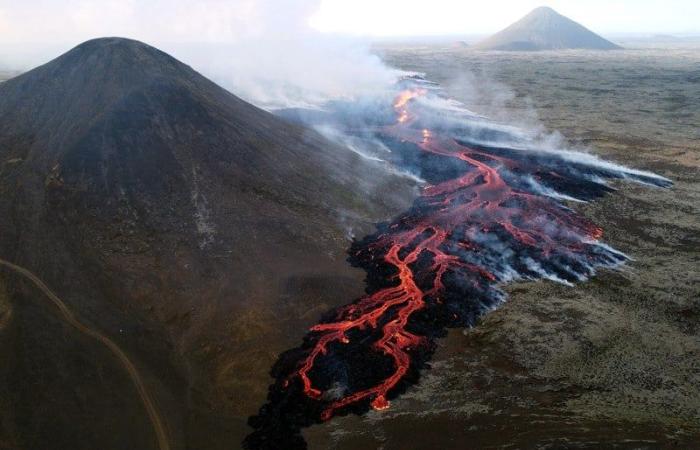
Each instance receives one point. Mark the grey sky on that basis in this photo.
(231, 20)
(410, 17)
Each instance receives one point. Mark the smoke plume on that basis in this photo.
(261, 50)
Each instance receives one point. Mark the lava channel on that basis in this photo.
(497, 215)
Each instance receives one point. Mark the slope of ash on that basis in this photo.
(193, 228)
(497, 207)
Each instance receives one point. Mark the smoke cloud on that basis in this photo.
(261, 50)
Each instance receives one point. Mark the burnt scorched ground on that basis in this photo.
(492, 212)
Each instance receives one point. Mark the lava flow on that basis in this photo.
(492, 212)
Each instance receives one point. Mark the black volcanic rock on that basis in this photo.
(545, 29)
(200, 232)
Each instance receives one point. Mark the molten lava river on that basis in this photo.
(496, 207)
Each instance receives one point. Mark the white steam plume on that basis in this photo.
(261, 50)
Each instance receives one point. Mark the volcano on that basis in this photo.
(545, 29)
(191, 227)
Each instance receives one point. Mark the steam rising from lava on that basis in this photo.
(492, 212)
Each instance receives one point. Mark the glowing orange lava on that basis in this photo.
(405, 247)
(401, 103)
(492, 212)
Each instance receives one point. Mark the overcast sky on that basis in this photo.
(229, 20)
(411, 17)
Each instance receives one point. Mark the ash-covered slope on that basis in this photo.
(545, 29)
(192, 227)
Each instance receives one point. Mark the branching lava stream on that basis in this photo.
(489, 214)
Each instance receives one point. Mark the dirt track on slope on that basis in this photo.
(67, 314)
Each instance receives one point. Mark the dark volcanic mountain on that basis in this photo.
(545, 29)
(189, 226)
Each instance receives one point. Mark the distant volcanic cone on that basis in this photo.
(545, 29)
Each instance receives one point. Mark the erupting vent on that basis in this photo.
(493, 211)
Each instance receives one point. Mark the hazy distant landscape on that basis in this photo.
(639, 91)
(4, 75)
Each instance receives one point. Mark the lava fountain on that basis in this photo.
(495, 209)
